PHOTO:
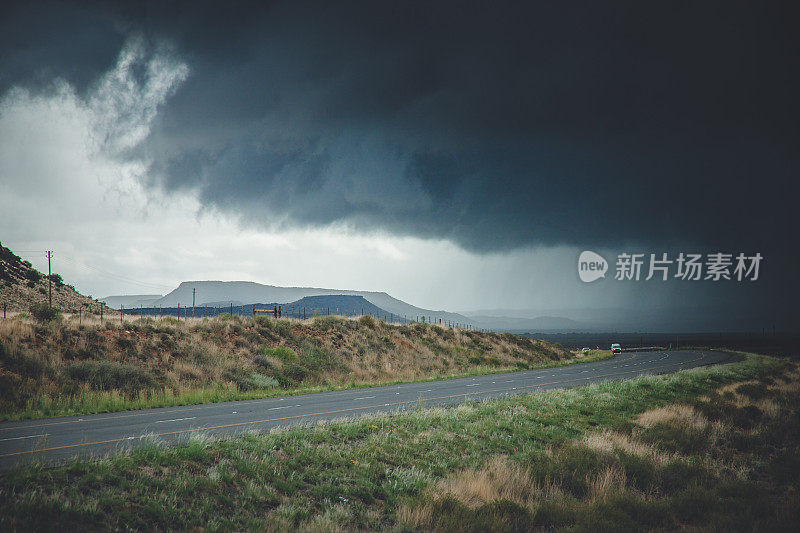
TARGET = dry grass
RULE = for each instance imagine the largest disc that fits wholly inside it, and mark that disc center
(785, 384)
(499, 479)
(416, 515)
(788, 382)
(610, 441)
(611, 480)
(16, 331)
(681, 415)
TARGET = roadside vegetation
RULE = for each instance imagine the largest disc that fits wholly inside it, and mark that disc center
(51, 365)
(711, 448)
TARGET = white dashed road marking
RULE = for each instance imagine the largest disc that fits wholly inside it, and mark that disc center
(26, 437)
(175, 420)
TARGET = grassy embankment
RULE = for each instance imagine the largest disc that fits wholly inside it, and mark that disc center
(712, 448)
(59, 367)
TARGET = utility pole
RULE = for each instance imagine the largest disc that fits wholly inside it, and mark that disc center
(49, 279)
(193, 292)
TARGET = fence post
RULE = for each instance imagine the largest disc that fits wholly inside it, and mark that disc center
(121, 312)
(4, 309)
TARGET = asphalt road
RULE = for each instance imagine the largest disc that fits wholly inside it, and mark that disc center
(55, 440)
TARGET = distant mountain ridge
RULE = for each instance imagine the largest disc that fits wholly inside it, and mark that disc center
(344, 304)
(243, 293)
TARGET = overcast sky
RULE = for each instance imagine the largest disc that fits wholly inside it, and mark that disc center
(457, 156)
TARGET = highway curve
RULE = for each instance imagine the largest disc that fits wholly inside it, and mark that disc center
(56, 440)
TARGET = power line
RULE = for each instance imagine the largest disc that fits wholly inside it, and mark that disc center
(116, 277)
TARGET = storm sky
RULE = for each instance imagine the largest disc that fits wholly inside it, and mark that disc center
(456, 155)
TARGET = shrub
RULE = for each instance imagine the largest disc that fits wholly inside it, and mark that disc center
(109, 375)
(57, 279)
(316, 358)
(263, 382)
(20, 362)
(240, 377)
(10, 387)
(76, 353)
(295, 372)
(246, 381)
(326, 323)
(284, 329)
(125, 343)
(262, 361)
(33, 275)
(367, 321)
(475, 360)
(44, 313)
(284, 353)
(264, 321)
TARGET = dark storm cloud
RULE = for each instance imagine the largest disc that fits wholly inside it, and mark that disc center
(495, 126)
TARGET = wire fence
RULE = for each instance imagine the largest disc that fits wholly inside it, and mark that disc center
(295, 312)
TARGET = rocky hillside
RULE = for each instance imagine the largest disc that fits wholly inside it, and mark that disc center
(22, 286)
